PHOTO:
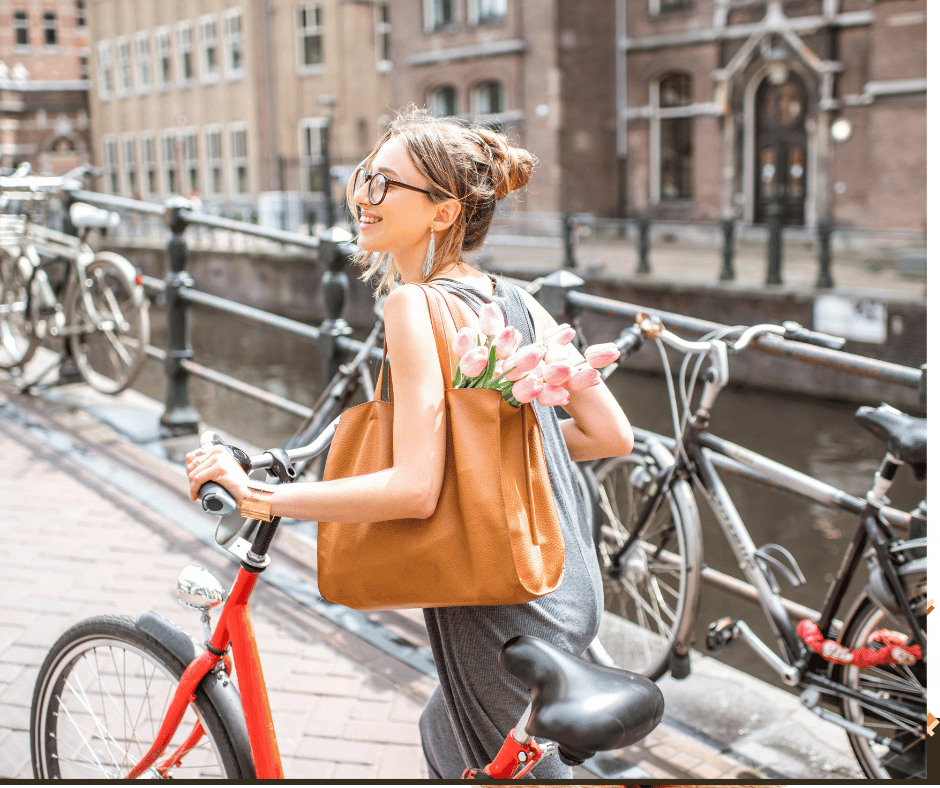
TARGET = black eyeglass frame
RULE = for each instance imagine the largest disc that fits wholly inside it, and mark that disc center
(387, 181)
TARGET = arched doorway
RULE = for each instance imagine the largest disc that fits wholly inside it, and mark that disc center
(780, 149)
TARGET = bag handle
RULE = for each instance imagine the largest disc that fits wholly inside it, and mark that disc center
(437, 324)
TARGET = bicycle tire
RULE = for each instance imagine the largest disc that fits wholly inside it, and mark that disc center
(18, 343)
(906, 686)
(46, 312)
(110, 356)
(101, 693)
(651, 603)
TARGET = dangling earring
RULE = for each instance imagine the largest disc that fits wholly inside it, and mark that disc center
(428, 258)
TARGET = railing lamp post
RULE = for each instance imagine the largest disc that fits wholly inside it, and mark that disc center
(335, 249)
(180, 417)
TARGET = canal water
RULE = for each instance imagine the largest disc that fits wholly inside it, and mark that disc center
(817, 437)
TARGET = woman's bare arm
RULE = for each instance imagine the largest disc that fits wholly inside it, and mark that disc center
(410, 488)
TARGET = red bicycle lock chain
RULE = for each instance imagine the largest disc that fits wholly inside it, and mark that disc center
(894, 652)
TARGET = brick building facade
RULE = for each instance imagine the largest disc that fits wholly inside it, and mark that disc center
(44, 84)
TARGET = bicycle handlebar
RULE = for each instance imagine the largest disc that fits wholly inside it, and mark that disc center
(219, 501)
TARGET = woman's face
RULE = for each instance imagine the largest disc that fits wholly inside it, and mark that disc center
(401, 223)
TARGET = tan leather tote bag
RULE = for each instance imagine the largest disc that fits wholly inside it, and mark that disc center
(494, 538)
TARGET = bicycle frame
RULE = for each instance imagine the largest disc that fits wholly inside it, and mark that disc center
(234, 629)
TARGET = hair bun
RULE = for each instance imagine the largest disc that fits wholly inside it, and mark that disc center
(512, 167)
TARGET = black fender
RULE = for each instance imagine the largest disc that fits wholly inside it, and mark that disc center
(223, 697)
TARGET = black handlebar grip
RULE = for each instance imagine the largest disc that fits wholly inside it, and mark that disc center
(796, 332)
(216, 499)
(630, 341)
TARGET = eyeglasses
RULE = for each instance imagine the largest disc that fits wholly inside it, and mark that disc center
(378, 185)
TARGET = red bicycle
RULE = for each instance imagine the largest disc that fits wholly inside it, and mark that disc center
(123, 698)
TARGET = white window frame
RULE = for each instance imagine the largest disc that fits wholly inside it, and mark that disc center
(431, 97)
(657, 114)
(105, 71)
(232, 38)
(130, 171)
(236, 161)
(142, 54)
(473, 11)
(55, 29)
(430, 19)
(21, 24)
(184, 48)
(487, 117)
(213, 163)
(81, 15)
(149, 166)
(383, 32)
(312, 10)
(163, 50)
(189, 160)
(309, 158)
(208, 72)
(109, 156)
(123, 71)
(170, 161)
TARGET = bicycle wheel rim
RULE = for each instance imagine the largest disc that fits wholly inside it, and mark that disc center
(903, 685)
(111, 350)
(102, 707)
(17, 342)
(645, 604)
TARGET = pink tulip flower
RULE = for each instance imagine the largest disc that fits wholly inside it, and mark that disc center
(601, 355)
(524, 360)
(557, 374)
(584, 378)
(527, 389)
(474, 361)
(560, 335)
(507, 342)
(557, 353)
(491, 320)
(553, 395)
(465, 340)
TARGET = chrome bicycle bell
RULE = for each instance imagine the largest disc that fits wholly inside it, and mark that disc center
(199, 589)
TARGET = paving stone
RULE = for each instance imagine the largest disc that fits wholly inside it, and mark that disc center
(14, 754)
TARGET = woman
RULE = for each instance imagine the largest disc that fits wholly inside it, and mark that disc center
(425, 194)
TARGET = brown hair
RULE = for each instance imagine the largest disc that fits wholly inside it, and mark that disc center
(460, 160)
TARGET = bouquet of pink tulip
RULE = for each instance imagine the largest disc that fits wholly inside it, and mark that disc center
(545, 371)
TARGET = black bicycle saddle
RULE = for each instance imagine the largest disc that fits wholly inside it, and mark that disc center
(583, 707)
(904, 436)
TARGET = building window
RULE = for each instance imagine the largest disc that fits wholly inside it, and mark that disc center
(50, 30)
(482, 11)
(80, 19)
(442, 100)
(142, 55)
(489, 98)
(311, 154)
(111, 165)
(239, 159)
(310, 35)
(675, 138)
(170, 163)
(190, 155)
(208, 38)
(184, 46)
(130, 166)
(123, 48)
(234, 62)
(148, 148)
(439, 13)
(383, 37)
(664, 6)
(83, 72)
(105, 72)
(21, 28)
(213, 151)
(164, 61)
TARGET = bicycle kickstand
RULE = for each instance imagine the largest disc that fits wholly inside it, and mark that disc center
(67, 374)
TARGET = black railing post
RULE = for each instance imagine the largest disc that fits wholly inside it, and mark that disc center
(180, 417)
(569, 228)
(825, 254)
(643, 244)
(774, 241)
(334, 254)
(727, 250)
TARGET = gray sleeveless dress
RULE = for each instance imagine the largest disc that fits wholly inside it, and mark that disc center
(468, 716)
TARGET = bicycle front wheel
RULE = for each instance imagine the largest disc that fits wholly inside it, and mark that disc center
(650, 600)
(109, 325)
(904, 686)
(100, 699)
(17, 341)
